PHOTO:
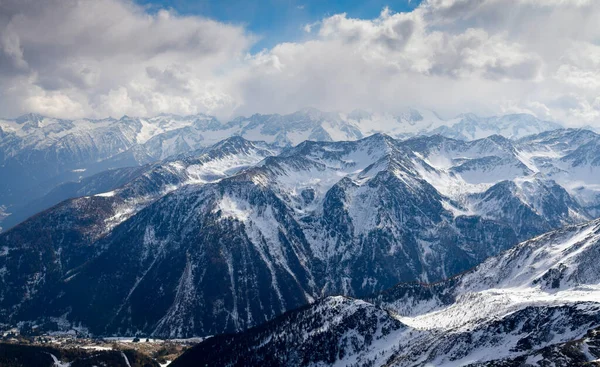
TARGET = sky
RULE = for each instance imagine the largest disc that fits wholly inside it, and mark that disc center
(276, 21)
(99, 58)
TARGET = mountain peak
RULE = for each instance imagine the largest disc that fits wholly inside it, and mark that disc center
(234, 141)
(29, 117)
(379, 137)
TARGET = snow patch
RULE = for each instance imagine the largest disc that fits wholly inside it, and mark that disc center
(233, 208)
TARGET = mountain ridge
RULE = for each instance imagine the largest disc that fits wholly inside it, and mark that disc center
(491, 324)
(320, 218)
(38, 153)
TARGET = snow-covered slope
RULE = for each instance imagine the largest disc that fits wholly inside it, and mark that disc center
(48, 249)
(463, 127)
(316, 335)
(512, 307)
(556, 164)
(38, 153)
(237, 234)
(514, 126)
(541, 292)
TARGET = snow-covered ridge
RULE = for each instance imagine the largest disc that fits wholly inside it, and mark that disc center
(557, 269)
(292, 129)
(277, 229)
(212, 164)
(541, 293)
(37, 153)
(534, 165)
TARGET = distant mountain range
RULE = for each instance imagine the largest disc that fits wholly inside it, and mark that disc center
(38, 153)
(233, 235)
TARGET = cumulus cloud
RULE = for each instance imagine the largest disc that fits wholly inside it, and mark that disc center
(109, 57)
(447, 55)
(73, 58)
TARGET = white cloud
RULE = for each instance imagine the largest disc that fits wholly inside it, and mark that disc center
(76, 58)
(448, 55)
(110, 57)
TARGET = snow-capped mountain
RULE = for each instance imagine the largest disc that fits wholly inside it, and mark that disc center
(518, 308)
(524, 177)
(514, 126)
(463, 127)
(237, 234)
(38, 153)
(57, 242)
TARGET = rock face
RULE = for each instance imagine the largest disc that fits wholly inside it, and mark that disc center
(57, 244)
(38, 153)
(536, 304)
(240, 232)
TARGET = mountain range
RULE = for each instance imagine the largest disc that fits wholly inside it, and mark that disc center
(38, 154)
(235, 234)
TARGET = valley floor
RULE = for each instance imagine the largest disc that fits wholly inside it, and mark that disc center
(66, 350)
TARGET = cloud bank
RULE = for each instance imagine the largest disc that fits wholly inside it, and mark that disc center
(78, 58)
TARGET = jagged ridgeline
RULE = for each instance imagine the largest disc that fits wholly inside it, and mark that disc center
(237, 233)
(38, 154)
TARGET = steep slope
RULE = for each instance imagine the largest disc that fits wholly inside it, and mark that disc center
(319, 334)
(192, 267)
(532, 205)
(578, 352)
(364, 200)
(521, 305)
(569, 157)
(223, 240)
(101, 182)
(526, 178)
(38, 153)
(42, 253)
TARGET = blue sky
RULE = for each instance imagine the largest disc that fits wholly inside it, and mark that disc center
(275, 21)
